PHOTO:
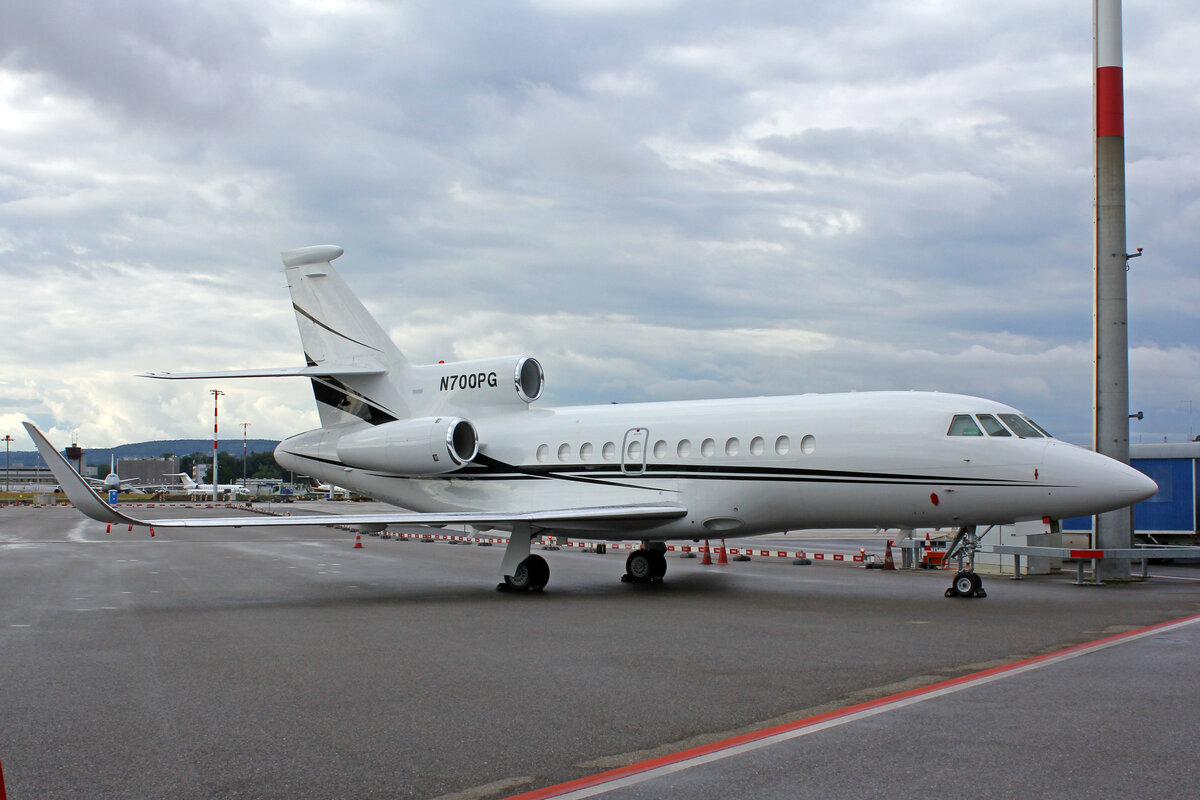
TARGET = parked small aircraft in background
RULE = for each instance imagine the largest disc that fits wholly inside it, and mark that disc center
(466, 443)
(114, 481)
(189, 486)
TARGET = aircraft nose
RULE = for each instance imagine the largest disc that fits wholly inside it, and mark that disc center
(1099, 483)
(1123, 484)
(1137, 484)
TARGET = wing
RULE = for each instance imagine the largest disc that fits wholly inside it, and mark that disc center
(630, 517)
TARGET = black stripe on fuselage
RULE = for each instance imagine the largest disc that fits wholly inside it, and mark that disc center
(334, 393)
(489, 469)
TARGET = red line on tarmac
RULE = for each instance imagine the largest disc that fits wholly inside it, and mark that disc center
(602, 782)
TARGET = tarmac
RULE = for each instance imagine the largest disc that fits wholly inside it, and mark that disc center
(231, 663)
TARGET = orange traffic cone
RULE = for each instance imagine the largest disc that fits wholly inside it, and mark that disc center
(358, 541)
(723, 559)
(888, 562)
(707, 560)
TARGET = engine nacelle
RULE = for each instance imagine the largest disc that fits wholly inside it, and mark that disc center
(425, 446)
(492, 382)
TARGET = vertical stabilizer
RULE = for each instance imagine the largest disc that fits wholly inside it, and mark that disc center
(339, 334)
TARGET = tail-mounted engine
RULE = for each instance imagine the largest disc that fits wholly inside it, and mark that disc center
(504, 381)
(425, 446)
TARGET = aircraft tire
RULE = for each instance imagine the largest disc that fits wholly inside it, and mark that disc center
(640, 566)
(965, 583)
(539, 571)
(976, 585)
(531, 575)
(658, 564)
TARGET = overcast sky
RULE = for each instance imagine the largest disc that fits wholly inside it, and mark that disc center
(658, 199)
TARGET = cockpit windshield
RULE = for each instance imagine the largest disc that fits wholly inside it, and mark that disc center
(1024, 427)
(992, 425)
(1020, 427)
(963, 425)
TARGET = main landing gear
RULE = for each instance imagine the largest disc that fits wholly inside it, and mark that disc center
(531, 575)
(967, 582)
(523, 571)
(645, 565)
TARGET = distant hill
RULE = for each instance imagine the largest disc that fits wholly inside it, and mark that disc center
(160, 447)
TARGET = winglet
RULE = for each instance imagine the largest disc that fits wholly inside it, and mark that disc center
(76, 488)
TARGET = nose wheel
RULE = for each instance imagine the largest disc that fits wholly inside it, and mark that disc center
(966, 584)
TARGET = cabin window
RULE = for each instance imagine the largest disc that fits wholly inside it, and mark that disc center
(543, 452)
(564, 452)
(610, 451)
(731, 446)
(757, 445)
(634, 451)
(585, 451)
(708, 448)
(992, 425)
(660, 449)
(782, 445)
(1020, 427)
(808, 445)
(684, 449)
(963, 425)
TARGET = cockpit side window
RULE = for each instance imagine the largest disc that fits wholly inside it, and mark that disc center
(963, 425)
(992, 425)
(1020, 427)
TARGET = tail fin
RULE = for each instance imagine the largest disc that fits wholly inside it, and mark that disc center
(185, 480)
(340, 339)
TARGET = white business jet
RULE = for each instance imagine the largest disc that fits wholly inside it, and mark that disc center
(201, 489)
(466, 443)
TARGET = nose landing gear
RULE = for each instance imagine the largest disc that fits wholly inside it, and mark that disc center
(967, 582)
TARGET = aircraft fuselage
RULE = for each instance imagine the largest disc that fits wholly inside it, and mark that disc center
(749, 466)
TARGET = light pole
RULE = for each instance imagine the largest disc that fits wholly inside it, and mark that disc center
(7, 472)
(216, 393)
(245, 425)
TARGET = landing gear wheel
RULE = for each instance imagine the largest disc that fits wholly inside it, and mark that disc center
(658, 563)
(966, 584)
(640, 566)
(531, 575)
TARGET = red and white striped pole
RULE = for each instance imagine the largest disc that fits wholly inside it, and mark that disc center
(1111, 311)
(216, 393)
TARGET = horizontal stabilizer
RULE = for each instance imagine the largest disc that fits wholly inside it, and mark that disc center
(270, 372)
(590, 518)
